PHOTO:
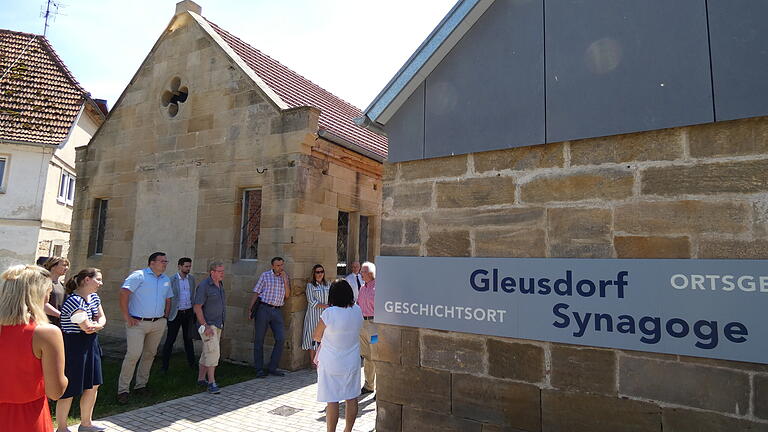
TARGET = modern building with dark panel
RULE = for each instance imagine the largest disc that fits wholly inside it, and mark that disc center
(616, 129)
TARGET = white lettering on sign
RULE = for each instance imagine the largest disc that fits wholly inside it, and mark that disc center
(713, 282)
(446, 311)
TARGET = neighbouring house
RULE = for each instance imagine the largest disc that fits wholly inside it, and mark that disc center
(604, 132)
(44, 115)
(216, 151)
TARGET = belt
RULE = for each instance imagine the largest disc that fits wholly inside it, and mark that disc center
(367, 318)
(146, 319)
(272, 306)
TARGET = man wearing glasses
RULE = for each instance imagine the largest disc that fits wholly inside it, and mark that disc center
(270, 291)
(145, 301)
(210, 310)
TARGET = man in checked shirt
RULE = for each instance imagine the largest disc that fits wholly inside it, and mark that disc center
(272, 288)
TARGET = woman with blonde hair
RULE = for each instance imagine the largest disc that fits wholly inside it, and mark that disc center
(81, 318)
(33, 352)
(317, 301)
(58, 267)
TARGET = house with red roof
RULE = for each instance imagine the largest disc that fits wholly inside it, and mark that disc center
(44, 115)
(216, 151)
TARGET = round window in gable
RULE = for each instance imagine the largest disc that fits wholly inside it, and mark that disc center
(174, 96)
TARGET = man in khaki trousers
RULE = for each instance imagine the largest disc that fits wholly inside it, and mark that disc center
(145, 301)
(365, 300)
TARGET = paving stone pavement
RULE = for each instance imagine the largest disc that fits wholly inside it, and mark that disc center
(272, 404)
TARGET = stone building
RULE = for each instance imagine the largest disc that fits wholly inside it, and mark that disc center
(216, 151)
(44, 115)
(623, 130)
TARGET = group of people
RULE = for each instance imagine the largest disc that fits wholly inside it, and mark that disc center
(45, 361)
(59, 324)
(337, 330)
(151, 302)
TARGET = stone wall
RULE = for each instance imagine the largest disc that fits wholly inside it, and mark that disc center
(692, 192)
(175, 184)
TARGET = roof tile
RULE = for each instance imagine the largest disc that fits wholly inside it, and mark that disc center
(39, 97)
(336, 115)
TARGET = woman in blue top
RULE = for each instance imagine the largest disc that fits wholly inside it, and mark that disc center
(81, 318)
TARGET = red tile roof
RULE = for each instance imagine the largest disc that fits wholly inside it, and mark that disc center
(336, 115)
(39, 97)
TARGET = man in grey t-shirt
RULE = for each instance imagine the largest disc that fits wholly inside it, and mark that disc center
(210, 310)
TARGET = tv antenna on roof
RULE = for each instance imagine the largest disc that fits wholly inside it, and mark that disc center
(51, 11)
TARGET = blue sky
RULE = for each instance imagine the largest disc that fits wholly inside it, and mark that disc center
(350, 48)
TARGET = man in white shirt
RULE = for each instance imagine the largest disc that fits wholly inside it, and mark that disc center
(354, 279)
(181, 314)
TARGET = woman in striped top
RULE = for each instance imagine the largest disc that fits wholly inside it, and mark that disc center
(81, 318)
(317, 301)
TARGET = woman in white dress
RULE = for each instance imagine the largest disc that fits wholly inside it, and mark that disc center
(338, 372)
(317, 301)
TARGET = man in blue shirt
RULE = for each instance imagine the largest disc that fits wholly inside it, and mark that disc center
(181, 316)
(145, 301)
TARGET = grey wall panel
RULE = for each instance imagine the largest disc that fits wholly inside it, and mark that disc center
(738, 31)
(488, 92)
(405, 130)
(618, 66)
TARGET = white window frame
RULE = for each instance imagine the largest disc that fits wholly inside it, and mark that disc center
(66, 194)
(5, 174)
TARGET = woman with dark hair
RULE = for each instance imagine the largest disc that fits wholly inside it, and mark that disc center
(81, 318)
(58, 267)
(317, 301)
(32, 357)
(338, 372)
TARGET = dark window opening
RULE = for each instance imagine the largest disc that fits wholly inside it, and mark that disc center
(363, 239)
(342, 240)
(251, 224)
(172, 98)
(99, 226)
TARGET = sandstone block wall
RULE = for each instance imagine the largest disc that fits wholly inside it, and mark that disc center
(692, 192)
(175, 184)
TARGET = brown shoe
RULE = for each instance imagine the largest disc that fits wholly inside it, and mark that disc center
(123, 398)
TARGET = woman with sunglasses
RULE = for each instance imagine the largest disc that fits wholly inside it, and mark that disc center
(317, 301)
(58, 267)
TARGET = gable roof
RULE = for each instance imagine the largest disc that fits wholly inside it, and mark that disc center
(435, 47)
(336, 115)
(39, 98)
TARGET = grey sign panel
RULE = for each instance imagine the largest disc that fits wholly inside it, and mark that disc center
(620, 66)
(405, 130)
(738, 31)
(705, 308)
(488, 92)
